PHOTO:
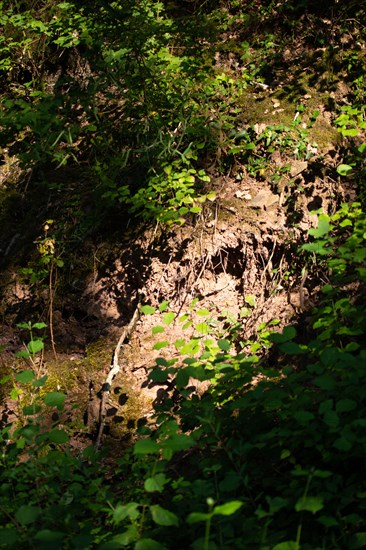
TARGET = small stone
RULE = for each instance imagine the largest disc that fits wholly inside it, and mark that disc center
(264, 199)
(297, 167)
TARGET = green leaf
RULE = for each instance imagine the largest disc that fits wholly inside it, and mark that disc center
(250, 300)
(309, 504)
(31, 409)
(287, 334)
(224, 345)
(149, 544)
(157, 330)
(123, 511)
(147, 310)
(228, 508)
(146, 447)
(197, 517)
(168, 318)
(58, 436)
(303, 417)
(344, 169)
(160, 345)
(325, 382)
(203, 312)
(358, 541)
(25, 377)
(163, 306)
(161, 516)
(288, 545)
(46, 535)
(345, 405)
(323, 227)
(26, 515)
(39, 326)
(156, 483)
(35, 346)
(202, 328)
(40, 381)
(55, 399)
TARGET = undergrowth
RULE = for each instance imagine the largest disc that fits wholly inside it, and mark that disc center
(253, 444)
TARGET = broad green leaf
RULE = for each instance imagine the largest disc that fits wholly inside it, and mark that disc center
(31, 409)
(168, 318)
(191, 348)
(323, 227)
(40, 381)
(160, 345)
(163, 306)
(182, 378)
(39, 326)
(147, 310)
(148, 544)
(304, 417)
(46, 535)
(345, 405)
(250, 300)
(224, 345)
(35, 346)
(25, 377)
(287, 334)
(58, 436)
(309, 504)
(123, 511)
(288, 545)
(145, 447)
(344, 169)
(331, 419)
(325, 382)
(55, 399)
(197, 517)
(161, 516)
(26, 515)
(203, 312)
(343, 444)
(202, 328)
(157, 330)
(228, 508)
(156, 483)
(358, 541)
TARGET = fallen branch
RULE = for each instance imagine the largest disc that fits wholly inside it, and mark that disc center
(114, 370)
